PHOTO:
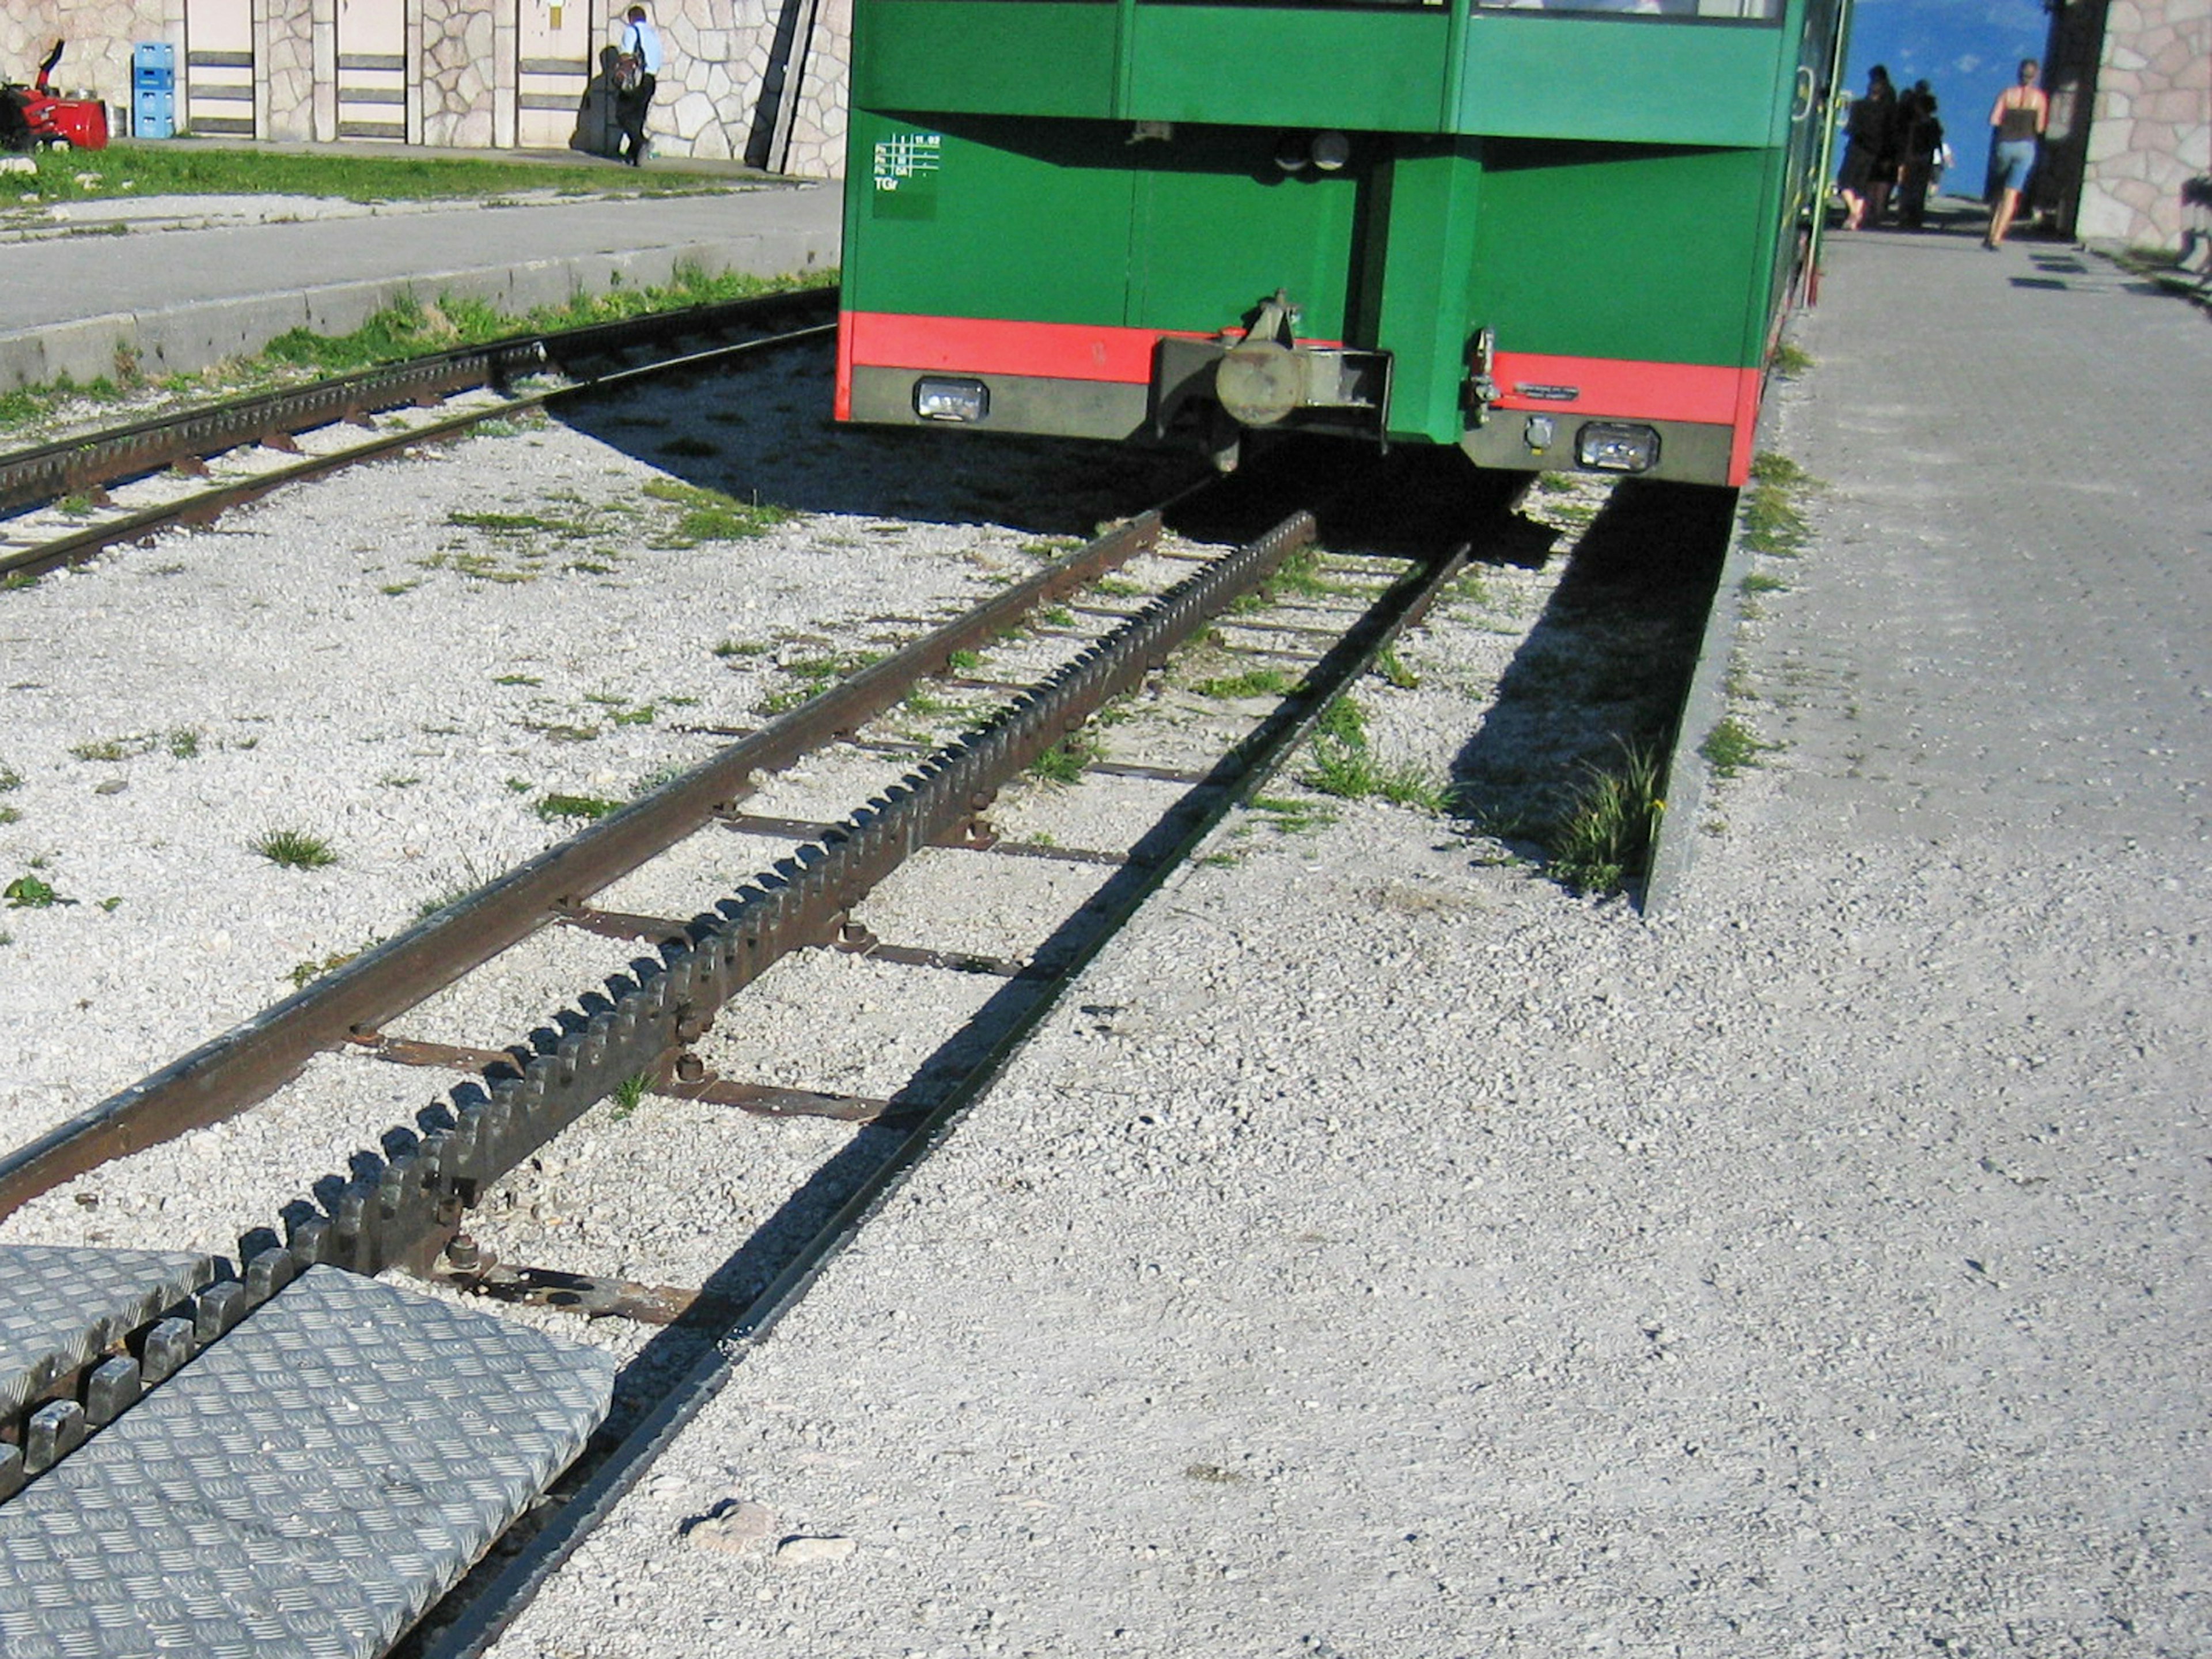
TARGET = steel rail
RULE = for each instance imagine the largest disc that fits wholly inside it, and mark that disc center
(489, 1610)
(272, 418)
(246, 1065)
(75, 465)
(406, 1213)
(210, 505)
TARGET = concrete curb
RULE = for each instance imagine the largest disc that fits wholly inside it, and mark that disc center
(187, 338)
(1689, 779)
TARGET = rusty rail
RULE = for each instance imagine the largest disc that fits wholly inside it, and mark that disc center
(89, 464)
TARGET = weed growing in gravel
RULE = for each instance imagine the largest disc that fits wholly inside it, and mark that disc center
(587, 807)
(16, 582)
(1773, 524)
(627, 1096)
(710, 515)
(517, 679)
(743, 648)
(184, 743)
(1064, 762)
(1394, 672)
(1351, 773)
(32, 892)
(294, 849)
(1286, 817)
(520, 524)
(1301, 576)
(1602, 841)
(1117, 588)
(305, 973)
(1731, 746)
(1790, 361)
(1341, 763)
(562, 733)
(1760, 583)
(1056, 615)
(927, 704)
(1251, 683)
(10, 779)
(112, 748)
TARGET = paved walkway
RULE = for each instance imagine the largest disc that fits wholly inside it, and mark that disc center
(185, 283)
(2019, 594)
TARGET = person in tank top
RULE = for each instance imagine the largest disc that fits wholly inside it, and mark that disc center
(2017, 120)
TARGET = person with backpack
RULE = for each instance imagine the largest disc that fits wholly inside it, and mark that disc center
(636, 77)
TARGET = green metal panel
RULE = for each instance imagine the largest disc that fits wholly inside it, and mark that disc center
(1381, 70)
(1217, 230)
(1065, 221)
(1662, 80)
(1023, 219)
(1426, 209)
(1001, 57)
(1594, 251)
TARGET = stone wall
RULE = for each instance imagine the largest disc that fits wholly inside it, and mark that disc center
(2150, 129)
(721, 55)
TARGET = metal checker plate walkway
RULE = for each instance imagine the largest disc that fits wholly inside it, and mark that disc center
(60, 1306)
(308, 1485)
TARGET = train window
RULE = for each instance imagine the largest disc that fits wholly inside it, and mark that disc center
(1755, 10)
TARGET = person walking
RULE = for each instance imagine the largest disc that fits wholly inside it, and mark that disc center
(1870, 148)
(1922, 143)
(2017, 120)
(641, 42)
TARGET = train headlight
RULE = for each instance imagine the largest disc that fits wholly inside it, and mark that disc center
(1616, 447)
(952, 400)
(1331, 150)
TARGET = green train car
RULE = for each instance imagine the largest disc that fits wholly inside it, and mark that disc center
(1557, 235)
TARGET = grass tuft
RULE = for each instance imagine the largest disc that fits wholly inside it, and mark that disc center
(1604, 839)
(294, 849)
(1731, 746)
(1064, 762)
(587, 807)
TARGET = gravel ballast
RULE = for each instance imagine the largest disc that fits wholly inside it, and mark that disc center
(1380, 1250)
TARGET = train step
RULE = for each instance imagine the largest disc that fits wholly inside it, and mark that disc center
(310, 1482)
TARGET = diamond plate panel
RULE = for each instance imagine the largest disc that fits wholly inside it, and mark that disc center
(60, 1305)
(308, 1485)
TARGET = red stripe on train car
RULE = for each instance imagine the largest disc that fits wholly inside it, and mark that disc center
(1619, 386)
(1748, 397)
(982, 345)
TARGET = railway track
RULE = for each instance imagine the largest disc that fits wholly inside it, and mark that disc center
(65, 502)
(434, 1197)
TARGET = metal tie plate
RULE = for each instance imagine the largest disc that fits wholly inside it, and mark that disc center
(308, 1485)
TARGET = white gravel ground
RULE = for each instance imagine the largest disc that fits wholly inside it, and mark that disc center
(1379, 1253)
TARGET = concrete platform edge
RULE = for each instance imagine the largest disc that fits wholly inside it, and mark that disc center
(192, 337)
(1688, 781)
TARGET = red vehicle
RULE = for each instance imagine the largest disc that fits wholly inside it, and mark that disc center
(32, 115)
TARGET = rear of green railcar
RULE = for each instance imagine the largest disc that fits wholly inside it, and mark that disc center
(1556, 237)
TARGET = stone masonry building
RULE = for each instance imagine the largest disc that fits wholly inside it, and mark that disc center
(2130, 117)
(755, 81)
